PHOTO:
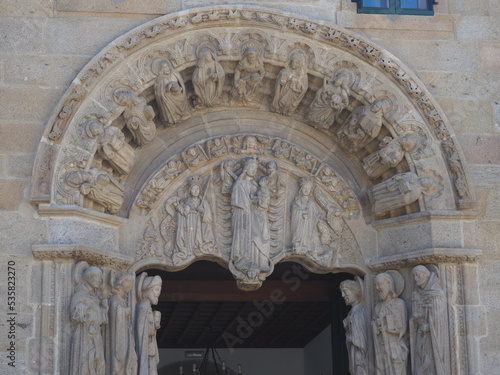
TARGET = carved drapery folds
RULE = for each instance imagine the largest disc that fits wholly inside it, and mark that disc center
(127, 345)
(253, 206)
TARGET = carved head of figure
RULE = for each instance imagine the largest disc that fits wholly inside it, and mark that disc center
(124, 97)
(251, 55)
(250, 143)
(384, 285)
(151, 289)
(251, 167)
(430, 186)
(410, 142)
(341, 80)
(94, 129)
(165, 67)
(194, 186)
(351, 292)
(206, 56)
(306, 186)
(92, 276)
(297, 61)
(382, 106)
(123, 284)
(421, 275)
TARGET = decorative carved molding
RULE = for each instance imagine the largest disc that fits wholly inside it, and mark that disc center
(269, 47)
(46, 210)
(81, 253)
(425, 256)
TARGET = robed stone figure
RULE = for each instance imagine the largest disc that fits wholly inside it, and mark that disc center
(428, 325)
(389, 328)
(208, 79)
(87, 313)
(148, 289)
(355, 326)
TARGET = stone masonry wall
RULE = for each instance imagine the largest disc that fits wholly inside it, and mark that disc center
(45, 43)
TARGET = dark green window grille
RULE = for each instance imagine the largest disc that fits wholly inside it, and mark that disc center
(419, 7)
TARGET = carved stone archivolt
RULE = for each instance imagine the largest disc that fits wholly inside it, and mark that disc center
(164, 73)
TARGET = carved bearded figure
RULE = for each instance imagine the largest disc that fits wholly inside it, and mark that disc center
(305, 218)
(208, 79)
(329, 101)
(355, 326)
(363, 125)
(428, 325)
(391, 154)
(138, 116)
(170, 94)
(251, 242)
(389, 327)
(87, 313)
(194, 223)
(291, 85)
(148, 290)
(122, 358)
(248, 76)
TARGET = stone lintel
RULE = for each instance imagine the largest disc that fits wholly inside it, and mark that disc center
(425, 256)
(78, 253)
(47, 210)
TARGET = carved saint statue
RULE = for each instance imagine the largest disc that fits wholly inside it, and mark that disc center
(355, 326)
(248, 76)
(329, 101)
(391, 154)
(291, 85)
(148, 289)
(305, 218)
(208, 79)
(389, 328)
(122, 358)
(98, 186)
(401, 190)
(363, 125)
(138, 116)
(251, 241)
(170, 94)
(111, 146)
(428, 325)
(87, 313)
(194, 222)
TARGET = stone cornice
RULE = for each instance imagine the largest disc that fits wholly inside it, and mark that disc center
(424, 256)
(47, 210)
(81, 253)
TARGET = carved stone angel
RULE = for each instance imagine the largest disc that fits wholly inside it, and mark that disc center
(428, 325)
(138, 116)
(291, 85)
(355, 326)
(98, 186)
(170, 94)
(122, 358)
(391, 154)
(401, 190)
(208, 79)
(248, 76)
(87, 313)
(329, 101)
(148, 289)
(111, 146)
(363, 125)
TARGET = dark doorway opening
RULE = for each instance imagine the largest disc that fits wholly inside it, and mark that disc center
(202, 307)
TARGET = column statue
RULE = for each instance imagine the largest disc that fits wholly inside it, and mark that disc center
(291, 85)
(208, 79)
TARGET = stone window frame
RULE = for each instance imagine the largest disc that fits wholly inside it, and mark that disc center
(395, 8)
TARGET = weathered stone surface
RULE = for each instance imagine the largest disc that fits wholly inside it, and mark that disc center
(11, 193)
(481, 149)
(43, 70)
(469, 116)
(488, 53)
(18, 109)
(19, 137)
(27, 8)
(20, 35)
(124, 6)
(20, 165)
(483, 28)
(33, 231)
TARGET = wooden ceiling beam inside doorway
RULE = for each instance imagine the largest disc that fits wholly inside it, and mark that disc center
(217, 290)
